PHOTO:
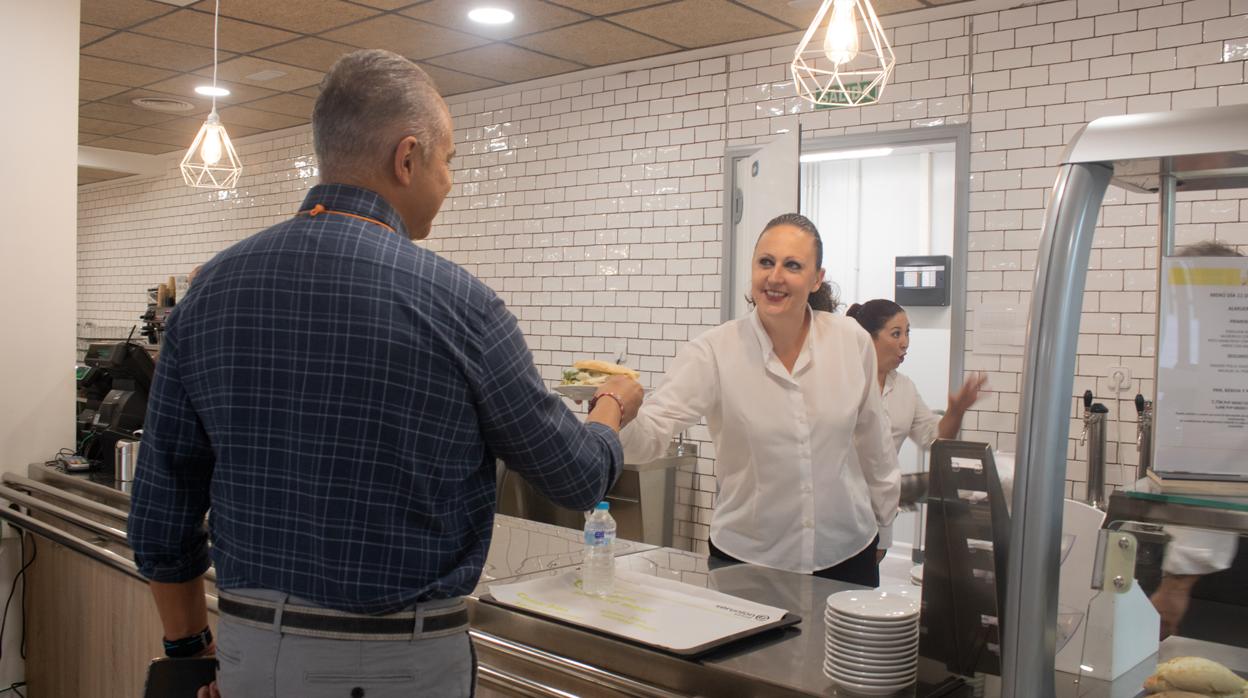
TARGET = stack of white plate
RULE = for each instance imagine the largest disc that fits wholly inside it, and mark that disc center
(872, 644)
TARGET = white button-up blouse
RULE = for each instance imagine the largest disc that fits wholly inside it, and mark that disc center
(907, 413)
(792, 493)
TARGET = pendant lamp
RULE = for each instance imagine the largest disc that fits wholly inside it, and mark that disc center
(841, 69)
(211, 162)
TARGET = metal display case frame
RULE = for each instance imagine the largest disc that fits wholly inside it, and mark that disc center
(1162, 153)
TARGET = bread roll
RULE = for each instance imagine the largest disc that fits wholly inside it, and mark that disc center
(1194, 675)
(606, 367)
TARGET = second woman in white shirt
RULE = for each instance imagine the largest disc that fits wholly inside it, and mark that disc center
(908, 415)
(789, 396)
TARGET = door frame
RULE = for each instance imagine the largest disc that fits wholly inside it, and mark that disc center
(959, 135)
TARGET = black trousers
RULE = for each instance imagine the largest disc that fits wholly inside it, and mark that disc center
(860, 569)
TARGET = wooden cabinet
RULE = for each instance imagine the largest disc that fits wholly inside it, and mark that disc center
(90, 630)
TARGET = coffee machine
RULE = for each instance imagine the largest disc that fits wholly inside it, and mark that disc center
(115, 385)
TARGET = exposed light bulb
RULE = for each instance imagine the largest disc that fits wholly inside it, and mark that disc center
(210, 149)
(840, 44)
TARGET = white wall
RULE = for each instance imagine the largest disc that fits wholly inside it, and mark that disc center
(593, 202)
(38, 178)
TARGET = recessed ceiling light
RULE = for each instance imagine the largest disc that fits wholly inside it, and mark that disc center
(210, 91)
(490, 15)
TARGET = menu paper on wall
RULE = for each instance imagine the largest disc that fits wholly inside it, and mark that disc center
(1201, 413)
(647, 609)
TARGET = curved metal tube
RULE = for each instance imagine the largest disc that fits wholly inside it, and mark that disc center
(489, 675)
(34, 486)
(571, 667)
(12, 494)
(78, 545)
(1030, 626)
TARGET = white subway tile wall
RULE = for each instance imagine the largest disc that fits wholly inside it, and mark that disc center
(594, 207)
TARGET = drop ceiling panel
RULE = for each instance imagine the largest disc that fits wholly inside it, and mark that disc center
(890, 7)
(606, 7)
(238, 70)
(267, 121)
(300, 16)
(309, 52)
(453, 82)
(406, 37)
(184, 85)
(187, 127)
(504, 63)
(696, 23)
(90, 90)
(595, 43)
(100, 127)
(160, 136)
(120, 13)
(286, 103)
(532, 16)
(124, 115)
(387, 4)
(796, 14)
(195, 28)
(118, 73)
(89, 32)
(150, 51)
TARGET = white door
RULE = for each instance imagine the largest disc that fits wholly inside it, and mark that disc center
(766, 186)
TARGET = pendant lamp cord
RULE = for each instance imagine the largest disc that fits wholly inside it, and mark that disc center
(216, 17)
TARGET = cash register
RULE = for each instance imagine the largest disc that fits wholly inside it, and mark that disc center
(115, 383)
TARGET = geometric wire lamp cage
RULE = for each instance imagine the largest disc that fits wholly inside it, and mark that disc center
(211, 161)
(842, 71)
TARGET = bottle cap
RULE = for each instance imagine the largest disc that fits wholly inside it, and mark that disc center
(603, 506)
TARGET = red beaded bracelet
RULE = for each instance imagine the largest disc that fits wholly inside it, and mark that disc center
(593, 402)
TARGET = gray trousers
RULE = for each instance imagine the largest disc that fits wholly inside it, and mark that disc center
(263, 663)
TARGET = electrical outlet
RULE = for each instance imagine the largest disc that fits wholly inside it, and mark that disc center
(1119, 378)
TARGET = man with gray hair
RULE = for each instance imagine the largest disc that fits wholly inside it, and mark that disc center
(338, 397)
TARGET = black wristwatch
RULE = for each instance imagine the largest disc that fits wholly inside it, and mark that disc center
(189, 646)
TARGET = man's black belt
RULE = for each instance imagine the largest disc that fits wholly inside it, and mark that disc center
(312, 621)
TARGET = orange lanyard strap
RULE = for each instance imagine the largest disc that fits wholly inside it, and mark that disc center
(320, 208)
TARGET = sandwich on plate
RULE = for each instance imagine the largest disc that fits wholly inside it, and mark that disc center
(593, 372)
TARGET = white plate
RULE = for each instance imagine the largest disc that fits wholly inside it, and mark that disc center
(854, 664)
(844, 631)
(870, 624)
(876, 662)
(577, 392)
(903, 680)
(906, 673)
(885, 603)
(886, 648)
(894, 682)
(866, 689)
(869, 657)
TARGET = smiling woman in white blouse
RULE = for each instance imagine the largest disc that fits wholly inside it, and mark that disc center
(908, 415)
(789, 396)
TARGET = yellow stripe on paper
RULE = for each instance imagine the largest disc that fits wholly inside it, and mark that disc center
(1205, 276)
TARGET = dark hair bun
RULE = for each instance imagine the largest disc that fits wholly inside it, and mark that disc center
(853, 310)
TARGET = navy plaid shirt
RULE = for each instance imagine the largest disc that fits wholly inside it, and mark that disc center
(338, 396)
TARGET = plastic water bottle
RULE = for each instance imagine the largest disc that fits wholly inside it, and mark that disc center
(598, 568)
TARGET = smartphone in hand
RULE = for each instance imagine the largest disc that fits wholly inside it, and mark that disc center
(179, 678)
